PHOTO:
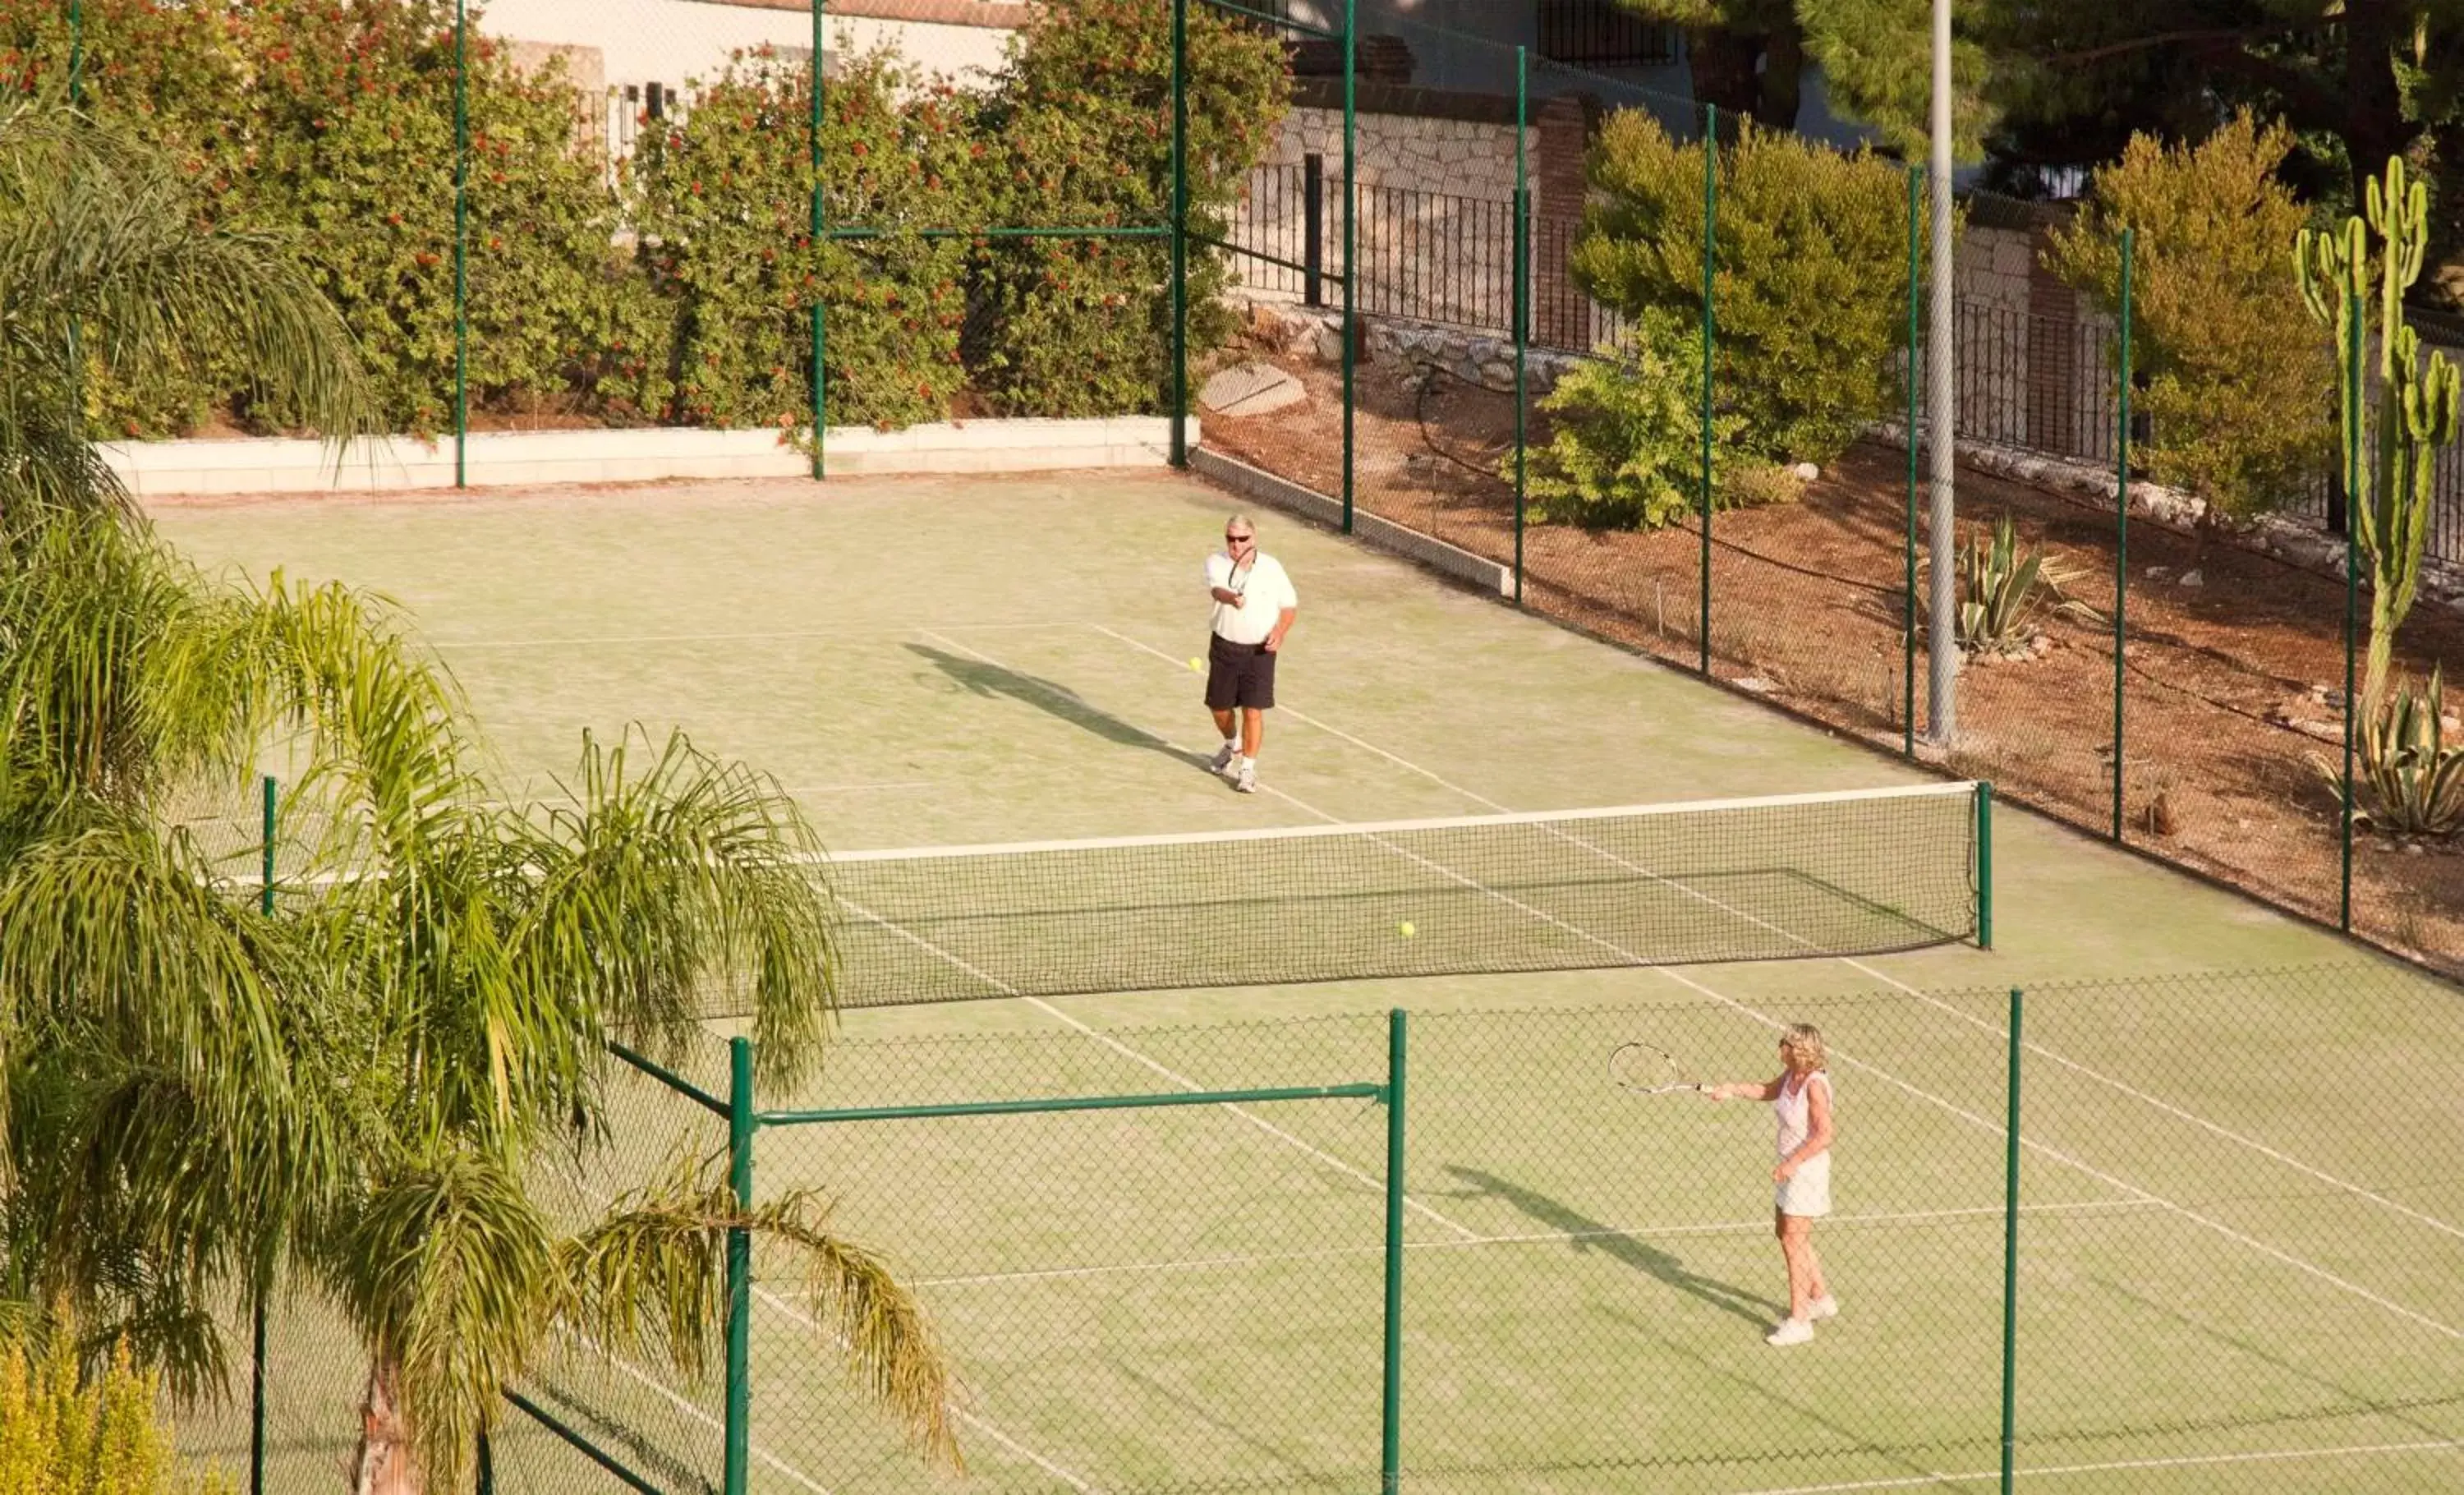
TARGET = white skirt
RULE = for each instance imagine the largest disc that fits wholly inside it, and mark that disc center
(1807, 1191)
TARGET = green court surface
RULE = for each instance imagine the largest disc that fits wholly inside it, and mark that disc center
(2239, 1241)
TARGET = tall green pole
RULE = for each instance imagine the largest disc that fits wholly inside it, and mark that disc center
(740, 1126)
(820, 315)
(2122, 525)
(257, 1351)
(461, 244)
(2011, 1260)
(1351, 241)
(77, 53)
(1984, 866)
(1391, 1423)
(1179, 412)
(1522, 304)
(1916, 380)
(2354, 433)
(487, 1466)
(1710, 336)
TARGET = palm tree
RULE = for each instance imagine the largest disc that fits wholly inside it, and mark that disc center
(364, 1095)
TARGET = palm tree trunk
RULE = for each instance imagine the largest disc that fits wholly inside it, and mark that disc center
(382, 1464)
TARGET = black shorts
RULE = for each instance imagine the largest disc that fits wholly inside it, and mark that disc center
(1239, 674)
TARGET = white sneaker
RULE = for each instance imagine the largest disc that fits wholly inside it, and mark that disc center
(1791, 1332)
(1247, 781)
(1224, 757)
(1822, 1308)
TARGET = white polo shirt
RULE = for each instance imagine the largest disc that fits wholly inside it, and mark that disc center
(1266, 591)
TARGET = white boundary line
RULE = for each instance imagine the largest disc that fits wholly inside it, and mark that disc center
(1993, 1127)
(2030, 1046)
(1542, 819)
(682, 1404)
(893, 631)
(2186, 1460)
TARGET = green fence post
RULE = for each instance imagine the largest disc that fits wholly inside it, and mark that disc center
(1522, 302)
(1179, 411)
(2010, 1259)
(740, 1126)
(487, 1466)
(1916, 366)
(2122, 528)
(2353, 432)
(1351, 242)
(77, 53)
(1984, 865)
(270, 796)
(819, 221)
(461, 244)
(1390, 1461)
(1710, 335)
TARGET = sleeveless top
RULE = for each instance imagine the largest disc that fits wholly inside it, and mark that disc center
(1793, 1108)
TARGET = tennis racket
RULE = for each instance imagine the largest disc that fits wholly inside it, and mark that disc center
(1647, 1069)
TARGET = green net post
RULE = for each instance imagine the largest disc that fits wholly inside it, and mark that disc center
(1915, 381)
(2010, 1258)
(819, 315)
(1522, 303)
(1180, 404)
(461, 244)
(2122, 528)
(269, 795)
(1984, 866)
(2353, 431)
(1390, 1458)
(741, 1128)
(1710, 334)
(1351, 246)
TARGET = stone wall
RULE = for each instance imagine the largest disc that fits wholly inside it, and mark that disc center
(1450, 157)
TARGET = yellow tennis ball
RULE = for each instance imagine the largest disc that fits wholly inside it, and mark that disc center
(1406, 929)
(1197, 664)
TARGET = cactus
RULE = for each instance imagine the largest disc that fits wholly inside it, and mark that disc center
(2415, 407)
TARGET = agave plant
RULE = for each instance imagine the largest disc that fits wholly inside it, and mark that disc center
(2408, 777)
(2005, 592)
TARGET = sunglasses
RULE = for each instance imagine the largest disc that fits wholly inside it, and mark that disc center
(1238, 539)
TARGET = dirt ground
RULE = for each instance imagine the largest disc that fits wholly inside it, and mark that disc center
(2233, 672)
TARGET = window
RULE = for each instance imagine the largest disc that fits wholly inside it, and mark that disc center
(1603, 33)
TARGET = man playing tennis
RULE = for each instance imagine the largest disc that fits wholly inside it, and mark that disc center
(1254, 608)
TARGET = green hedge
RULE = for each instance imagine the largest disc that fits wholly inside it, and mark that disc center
(682, 293)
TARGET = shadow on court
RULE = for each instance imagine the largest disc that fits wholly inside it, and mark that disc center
(981, 677)
(1585, 1234)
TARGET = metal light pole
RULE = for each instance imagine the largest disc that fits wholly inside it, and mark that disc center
(1941, 416)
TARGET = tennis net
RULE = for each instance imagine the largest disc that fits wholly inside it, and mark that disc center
(1790, 876)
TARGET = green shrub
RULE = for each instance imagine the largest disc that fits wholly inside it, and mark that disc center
(723, 205)
(1079, 131)
(2237, 397)
(1626, 451)
(2006, 592)
(2409, 779)
(330, 122)
(61, 1433)
(1810, 273)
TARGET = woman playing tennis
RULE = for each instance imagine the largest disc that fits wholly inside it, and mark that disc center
(1800, 1099)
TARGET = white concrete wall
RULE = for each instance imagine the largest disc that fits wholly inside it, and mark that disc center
(669, 41)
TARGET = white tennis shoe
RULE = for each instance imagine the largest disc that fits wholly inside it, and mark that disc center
(1791, 1332)
(1223, 756)
(1248, 780)
(1822, 1308)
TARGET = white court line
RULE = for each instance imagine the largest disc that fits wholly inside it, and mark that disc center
(2187, 1460)
(695, 1413)
(780, 1306)
(1885, 978)
(605, 638)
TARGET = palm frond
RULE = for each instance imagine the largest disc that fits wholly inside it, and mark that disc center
(450, 1273)
(650, 1278)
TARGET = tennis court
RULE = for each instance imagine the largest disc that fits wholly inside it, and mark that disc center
(2239, 1239)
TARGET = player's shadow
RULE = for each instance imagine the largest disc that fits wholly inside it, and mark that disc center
(982, 677)
(1582, 1233)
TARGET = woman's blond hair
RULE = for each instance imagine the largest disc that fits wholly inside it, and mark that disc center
(1804, 1041)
